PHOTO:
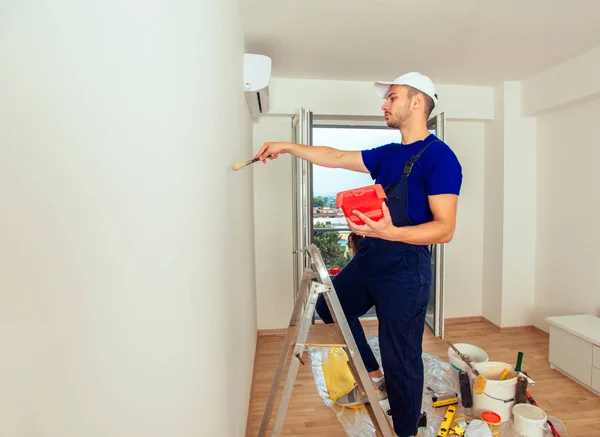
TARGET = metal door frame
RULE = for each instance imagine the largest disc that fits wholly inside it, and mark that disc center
(438, 122)
(302, 199)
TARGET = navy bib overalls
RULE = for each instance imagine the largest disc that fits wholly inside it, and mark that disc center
(396, 278)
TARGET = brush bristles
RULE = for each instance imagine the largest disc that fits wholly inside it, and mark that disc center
(239, 165)
(480, 383)
(521, 394)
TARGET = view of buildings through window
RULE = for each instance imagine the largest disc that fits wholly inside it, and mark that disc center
(330, 230)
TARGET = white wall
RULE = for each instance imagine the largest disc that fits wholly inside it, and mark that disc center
(464, 254)
(127, 303)
(568, 206)
(273, 226)
(519, 213)
(493, 212)
(566, 101)
(574, 80)
(467, 107)
(508, 274)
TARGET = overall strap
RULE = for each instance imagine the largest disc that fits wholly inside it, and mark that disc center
(411, 162)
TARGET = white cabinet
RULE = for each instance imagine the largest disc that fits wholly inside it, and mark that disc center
(596, 379)
(596, 369)
(575, 348)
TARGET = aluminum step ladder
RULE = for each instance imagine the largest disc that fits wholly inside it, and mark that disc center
(302, 334)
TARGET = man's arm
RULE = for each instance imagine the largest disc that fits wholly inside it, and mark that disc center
(319, 155)
(439, 230)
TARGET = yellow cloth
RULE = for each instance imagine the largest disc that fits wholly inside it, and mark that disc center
(338, 377)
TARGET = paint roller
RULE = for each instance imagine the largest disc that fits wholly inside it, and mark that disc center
(465, 389)
(443, 399)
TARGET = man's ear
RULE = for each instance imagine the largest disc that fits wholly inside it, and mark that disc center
(418, 101)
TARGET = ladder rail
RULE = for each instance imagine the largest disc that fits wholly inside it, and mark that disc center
(296, 360)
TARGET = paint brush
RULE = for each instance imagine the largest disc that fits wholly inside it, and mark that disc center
(240, 165)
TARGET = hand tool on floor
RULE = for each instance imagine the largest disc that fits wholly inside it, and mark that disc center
(446, 425)
(457, 430)
(443, 399)
(465, 389)
(480, 381)
(240, 165)
(302, 334)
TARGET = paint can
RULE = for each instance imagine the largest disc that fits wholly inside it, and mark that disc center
(499, 395)
(474, 353)
(529, 420)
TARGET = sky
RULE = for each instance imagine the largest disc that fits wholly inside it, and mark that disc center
(330, 181)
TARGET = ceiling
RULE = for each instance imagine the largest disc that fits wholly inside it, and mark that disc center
(467, 42)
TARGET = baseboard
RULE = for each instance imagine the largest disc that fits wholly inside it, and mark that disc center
(271, 332)
(490, 323)
(526, 328)
(251, 400)
(540, 331)
(462, 320)
(475, 319)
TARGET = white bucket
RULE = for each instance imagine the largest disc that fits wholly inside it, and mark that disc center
(499, 395)
(475, 354)
(529, 420)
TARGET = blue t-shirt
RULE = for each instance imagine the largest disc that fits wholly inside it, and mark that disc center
(437, 171)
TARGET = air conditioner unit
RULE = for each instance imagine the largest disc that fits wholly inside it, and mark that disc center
(257, 74)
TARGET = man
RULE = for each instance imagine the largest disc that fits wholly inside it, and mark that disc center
(422, 178)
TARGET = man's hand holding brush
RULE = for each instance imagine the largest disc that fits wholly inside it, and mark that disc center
(264, 154)
(272, 150)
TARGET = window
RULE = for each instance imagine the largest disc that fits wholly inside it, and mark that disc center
(330, 230)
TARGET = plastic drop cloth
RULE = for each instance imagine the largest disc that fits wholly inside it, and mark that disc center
(438, 375)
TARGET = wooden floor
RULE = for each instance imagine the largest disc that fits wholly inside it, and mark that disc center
(578, 408)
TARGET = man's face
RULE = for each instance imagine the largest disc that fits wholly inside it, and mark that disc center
(396, 108)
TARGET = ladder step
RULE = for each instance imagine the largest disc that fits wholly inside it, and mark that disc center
(321, 335)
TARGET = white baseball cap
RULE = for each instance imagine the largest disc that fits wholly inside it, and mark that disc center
(413, 79)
